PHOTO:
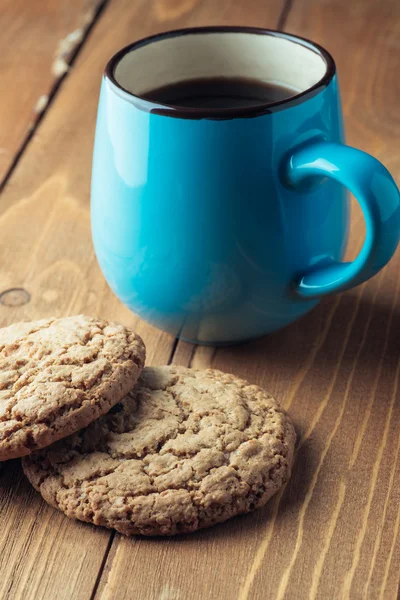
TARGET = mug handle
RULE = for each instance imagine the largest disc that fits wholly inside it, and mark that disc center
(377, 193)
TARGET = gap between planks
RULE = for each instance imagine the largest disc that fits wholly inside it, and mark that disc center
(98, 9)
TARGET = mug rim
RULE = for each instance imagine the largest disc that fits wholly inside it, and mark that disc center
(184, 112)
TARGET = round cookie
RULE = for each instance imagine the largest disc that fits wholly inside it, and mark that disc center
(59, 375)
(184, 450)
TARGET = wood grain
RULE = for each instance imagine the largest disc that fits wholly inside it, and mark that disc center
(34, 36)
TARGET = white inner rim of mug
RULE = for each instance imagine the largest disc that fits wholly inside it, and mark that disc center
(266, 58)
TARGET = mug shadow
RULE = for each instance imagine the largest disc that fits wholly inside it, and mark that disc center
(349, 322)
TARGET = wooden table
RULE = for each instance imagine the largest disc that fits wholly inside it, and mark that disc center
(333, 532)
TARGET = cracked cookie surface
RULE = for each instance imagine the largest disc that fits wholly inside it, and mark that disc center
(185, 449)
(59, 375)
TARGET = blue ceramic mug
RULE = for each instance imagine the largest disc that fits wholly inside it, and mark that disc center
(220, 225)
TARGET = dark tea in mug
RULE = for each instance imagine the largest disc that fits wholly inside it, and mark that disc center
(220, 92)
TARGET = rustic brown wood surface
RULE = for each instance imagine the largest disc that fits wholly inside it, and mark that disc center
(333, 532)
(38, 40)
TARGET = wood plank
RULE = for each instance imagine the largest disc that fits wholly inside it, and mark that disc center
(37, 41)
(333, 533)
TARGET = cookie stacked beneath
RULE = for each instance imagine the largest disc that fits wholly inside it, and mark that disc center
(152, 451)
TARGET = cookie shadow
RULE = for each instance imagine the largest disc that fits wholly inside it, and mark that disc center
(14, 486)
